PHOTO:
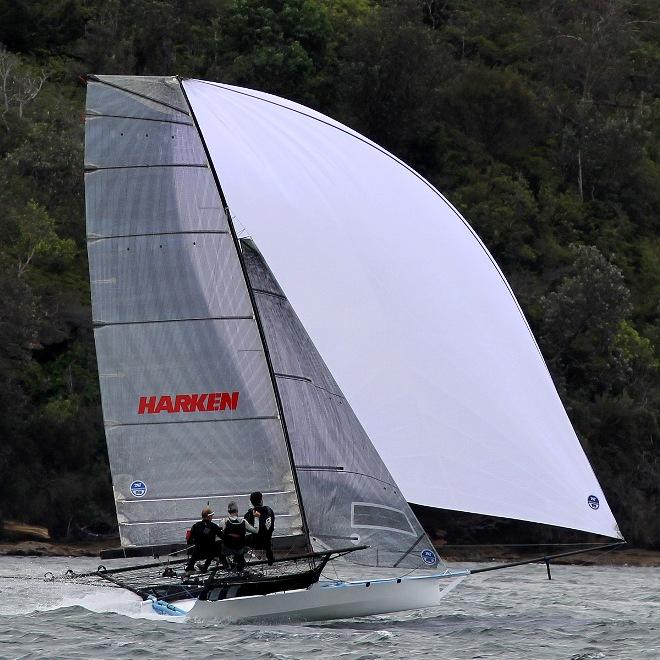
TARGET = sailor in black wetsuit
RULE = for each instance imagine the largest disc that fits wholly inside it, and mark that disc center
(234, 533)
(203, 536)
(262, 540)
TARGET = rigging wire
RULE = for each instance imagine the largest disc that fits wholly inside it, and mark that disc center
(587, 562)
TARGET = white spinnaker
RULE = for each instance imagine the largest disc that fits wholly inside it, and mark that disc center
(408, 309)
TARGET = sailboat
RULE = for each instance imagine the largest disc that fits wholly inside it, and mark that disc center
(255, 266)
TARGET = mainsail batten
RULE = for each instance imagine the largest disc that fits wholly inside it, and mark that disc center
(174, 324)
(427, 341)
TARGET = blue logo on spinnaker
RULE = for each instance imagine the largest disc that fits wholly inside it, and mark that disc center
(429, 557)
(593, 502)
(139, 488)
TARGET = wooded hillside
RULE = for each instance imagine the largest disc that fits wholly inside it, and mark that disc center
(538, 119)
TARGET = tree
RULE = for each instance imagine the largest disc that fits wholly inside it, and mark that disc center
(392, 70)
(18, 84)
(504, 213)
(287, 47)
(33, 235)
(18, 329)
(18, 315)
(587, 43)
(580, 320)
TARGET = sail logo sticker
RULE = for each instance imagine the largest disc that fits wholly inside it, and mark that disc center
(429, 557)
(593, 502)
(188, 403)
(139, 488)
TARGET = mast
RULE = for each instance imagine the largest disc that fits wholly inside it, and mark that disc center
(257, 317)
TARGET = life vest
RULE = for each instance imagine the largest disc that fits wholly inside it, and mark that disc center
(234, 536)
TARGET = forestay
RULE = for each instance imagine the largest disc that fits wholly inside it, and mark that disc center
(348, 493)
(188, 401)
(408, 309)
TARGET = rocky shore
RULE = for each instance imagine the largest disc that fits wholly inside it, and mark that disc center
(51, 549)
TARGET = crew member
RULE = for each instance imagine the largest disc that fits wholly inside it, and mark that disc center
(262, 540)
(234, 533)
(203, 535)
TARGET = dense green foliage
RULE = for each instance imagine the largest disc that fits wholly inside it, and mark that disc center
(538, 119)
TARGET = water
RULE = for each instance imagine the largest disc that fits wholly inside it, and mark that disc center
(584, 613)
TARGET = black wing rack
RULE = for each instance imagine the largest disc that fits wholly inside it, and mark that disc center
(166, 580)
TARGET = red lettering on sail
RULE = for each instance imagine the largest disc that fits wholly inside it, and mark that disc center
(182, 403)
(164, 405)
(147, 404)
(187, 403)
(228, 400)
(198, 403)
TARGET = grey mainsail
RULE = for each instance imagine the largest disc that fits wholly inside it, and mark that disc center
(188, 400)
(348, 493)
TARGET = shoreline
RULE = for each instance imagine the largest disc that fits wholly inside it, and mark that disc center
(636, 557)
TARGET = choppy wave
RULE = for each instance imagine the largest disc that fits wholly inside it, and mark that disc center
(584, 613)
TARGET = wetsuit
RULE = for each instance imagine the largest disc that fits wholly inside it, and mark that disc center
(262, 540)
(203, 536)
(234, 533)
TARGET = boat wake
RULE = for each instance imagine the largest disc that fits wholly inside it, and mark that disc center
(24, 595)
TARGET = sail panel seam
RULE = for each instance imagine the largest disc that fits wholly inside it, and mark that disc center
(201, 497)
(142, 96)
(111, 425)
(306, 379)
(93, 237)
(270, 293)
(93, 115)
(294, 377)
(311, 468)
(103, 324)
(189, 520)
(334, 468)
(94, 168)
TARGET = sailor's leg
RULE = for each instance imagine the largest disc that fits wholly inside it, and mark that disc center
(195, 555)
(224, 558)
(216, 551)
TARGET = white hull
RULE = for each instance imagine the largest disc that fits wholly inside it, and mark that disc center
(333, 600)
